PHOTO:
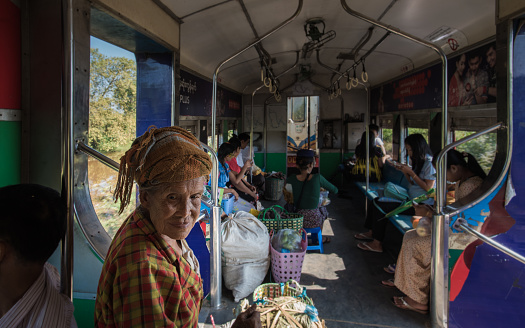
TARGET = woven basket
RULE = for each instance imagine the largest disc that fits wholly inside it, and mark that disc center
(273, 189)
(294, 220)
(288, 266)
(274, 290)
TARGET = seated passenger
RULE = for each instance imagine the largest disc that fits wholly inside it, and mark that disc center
(376, 160)
(421, 176)
(32, 223)
(306, 190)
(412, 272)
(231, 180)
(244, 170)
(150, 277)
(256, 179)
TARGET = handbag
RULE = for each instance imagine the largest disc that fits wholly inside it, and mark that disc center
(292, 208)
(394, 191)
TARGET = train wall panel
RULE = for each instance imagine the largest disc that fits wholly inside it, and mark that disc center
(10, 92)
(493, 294)
(147, 18)
(10, 153)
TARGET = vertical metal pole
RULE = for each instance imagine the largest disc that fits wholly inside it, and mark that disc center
(402, 136)
(215, 235)
(265, 133)
(66, 286)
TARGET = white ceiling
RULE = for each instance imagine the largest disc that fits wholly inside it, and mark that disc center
(211, 35)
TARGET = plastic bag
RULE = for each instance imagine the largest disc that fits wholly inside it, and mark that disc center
(241, 205)
(245, 254)
(323, 198)
(287, 241)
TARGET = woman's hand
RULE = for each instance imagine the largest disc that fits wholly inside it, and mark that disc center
(405, 169)
(235, 194)
(250, 318)
(423, 210)
(248, 164)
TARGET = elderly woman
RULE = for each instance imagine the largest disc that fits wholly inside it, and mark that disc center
(150, 277)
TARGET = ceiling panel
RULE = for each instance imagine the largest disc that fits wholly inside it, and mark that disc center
(212, 31)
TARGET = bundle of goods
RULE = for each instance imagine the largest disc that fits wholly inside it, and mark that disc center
(281, 305)
(275, 217)
(288, 248)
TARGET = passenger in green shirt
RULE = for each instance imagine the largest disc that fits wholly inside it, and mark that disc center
(307, 205)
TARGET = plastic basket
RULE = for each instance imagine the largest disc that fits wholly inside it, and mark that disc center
(274, 290)
(286, 266)
(293, 220)
(273, 189)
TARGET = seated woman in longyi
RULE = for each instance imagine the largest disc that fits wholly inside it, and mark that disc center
(306, 190)
(412, 271)
(150, 276)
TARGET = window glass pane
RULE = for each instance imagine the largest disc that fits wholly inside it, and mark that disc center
(387, 140)
(424, 132)
(299, 110)
(112, 129)
(482, 148)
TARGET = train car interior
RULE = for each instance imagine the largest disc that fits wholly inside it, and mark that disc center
(83, 78)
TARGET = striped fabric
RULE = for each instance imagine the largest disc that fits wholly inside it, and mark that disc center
(144, 283)
(42, 305)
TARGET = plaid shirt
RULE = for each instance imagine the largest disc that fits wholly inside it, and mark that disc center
(144, 283)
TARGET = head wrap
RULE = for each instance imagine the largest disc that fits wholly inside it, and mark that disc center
(169, 154)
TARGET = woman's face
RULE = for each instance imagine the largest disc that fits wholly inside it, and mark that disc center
(453, 173)
(174, 210)
(409, 150)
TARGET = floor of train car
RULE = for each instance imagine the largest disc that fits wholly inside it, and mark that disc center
(344, 282)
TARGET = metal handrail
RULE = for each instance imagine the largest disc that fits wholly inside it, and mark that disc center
(214, 93)
(440, 158)
(215, 234)
(439, 266)
(97, 155)
(461, 223)
(66, 277)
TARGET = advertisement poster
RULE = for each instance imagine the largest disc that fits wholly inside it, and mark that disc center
(196, 94)
(471, 81)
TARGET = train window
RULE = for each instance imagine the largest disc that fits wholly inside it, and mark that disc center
(482, 148)
(387, 140)
(112, 129)
(298, 109)
(423, 132)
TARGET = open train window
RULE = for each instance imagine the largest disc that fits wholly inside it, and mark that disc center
(112, 127)
(386, 136)
(482, 148)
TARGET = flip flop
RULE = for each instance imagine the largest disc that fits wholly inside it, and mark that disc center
(326, 240)
(391, 268)
(366, 247)
(388, 283)
(362, 236)
(405, 306)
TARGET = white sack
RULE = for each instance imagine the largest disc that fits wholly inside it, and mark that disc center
(245, 254)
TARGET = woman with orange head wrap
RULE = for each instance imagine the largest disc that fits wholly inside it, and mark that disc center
(150, 277)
